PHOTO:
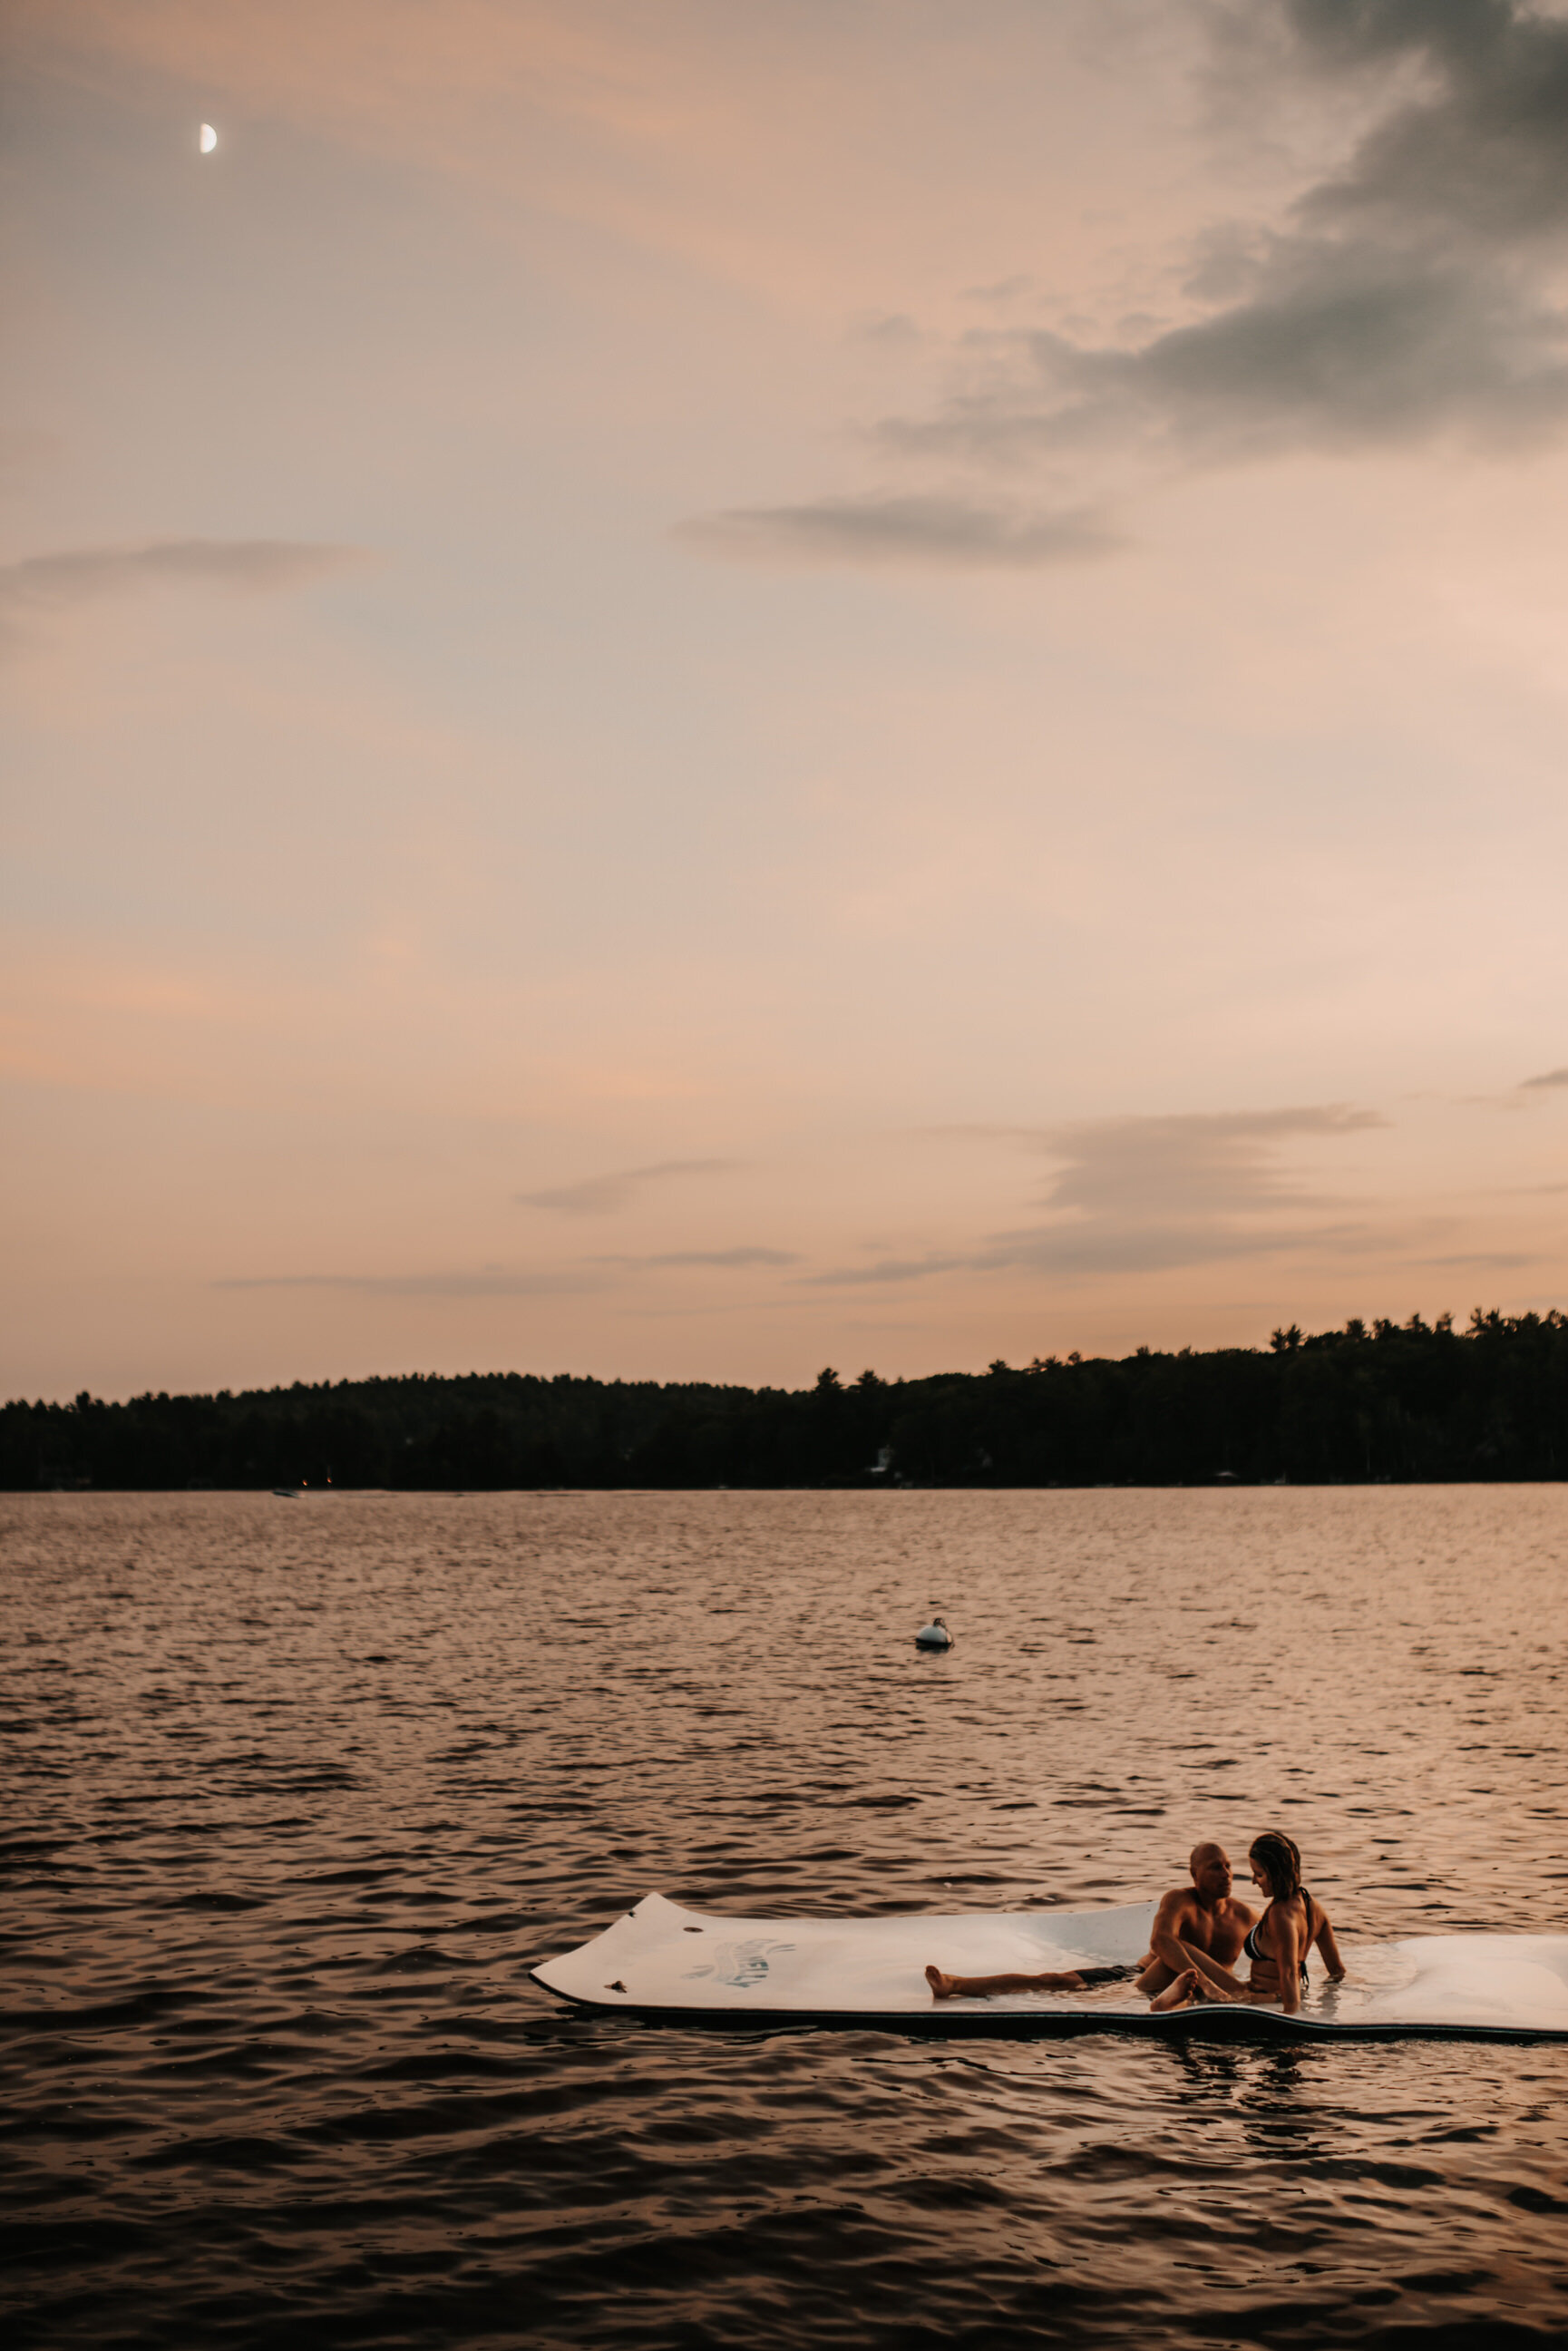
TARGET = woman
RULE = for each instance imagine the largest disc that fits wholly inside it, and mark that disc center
(1277, 1946)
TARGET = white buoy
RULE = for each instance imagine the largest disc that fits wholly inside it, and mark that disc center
(934, 1635)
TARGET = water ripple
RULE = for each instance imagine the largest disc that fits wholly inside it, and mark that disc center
(300, 1790)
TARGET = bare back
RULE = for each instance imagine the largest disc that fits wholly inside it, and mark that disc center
(1281, 1940)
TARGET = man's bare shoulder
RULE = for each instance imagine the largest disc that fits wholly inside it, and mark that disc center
(1180, 1903)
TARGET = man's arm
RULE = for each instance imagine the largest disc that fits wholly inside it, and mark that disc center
(1166, 1934)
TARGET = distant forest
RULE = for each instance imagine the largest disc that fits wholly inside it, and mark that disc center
(1369, 1404)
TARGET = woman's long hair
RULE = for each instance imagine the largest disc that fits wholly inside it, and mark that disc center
(1280, 1858)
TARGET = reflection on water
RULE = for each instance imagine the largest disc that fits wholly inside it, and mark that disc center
(297, 1790)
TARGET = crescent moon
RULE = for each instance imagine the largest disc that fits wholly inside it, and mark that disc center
(208, 140)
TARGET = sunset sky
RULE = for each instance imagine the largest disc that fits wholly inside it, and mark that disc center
(699, 687)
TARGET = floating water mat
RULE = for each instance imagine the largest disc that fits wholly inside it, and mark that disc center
(689, 1967)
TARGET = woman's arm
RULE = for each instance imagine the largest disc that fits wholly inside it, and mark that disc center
(1286, 1938)
(1330, 1950)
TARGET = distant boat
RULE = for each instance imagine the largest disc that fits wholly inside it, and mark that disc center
(286, 1493)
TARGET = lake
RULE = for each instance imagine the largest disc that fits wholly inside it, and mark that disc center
(297, 1791)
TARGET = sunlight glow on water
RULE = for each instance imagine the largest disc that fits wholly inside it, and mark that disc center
(298, 1791)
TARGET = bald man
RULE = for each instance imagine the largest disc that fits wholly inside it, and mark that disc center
(1202, 1913)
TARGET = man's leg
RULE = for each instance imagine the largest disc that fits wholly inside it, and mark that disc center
(1182, 1993)
(1216, 1983)
(945, 1987)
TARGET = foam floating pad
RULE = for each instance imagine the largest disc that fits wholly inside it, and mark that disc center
(690, 1966)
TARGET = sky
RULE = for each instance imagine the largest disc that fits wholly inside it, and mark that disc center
(694, 690)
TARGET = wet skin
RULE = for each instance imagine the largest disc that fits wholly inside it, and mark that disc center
(1203, 1911)
(1200, 1917)
(945, 1987)
(1289, 1930)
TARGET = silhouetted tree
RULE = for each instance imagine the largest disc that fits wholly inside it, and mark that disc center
(1415, 1401)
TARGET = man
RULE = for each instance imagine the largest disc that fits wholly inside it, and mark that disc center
(1202, 1913)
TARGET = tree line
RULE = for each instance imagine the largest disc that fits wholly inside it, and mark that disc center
(1384, 1402)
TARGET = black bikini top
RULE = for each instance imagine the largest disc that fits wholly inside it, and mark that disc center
(1250, 1946)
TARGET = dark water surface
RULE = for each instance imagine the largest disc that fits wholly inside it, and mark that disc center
(297, 1790)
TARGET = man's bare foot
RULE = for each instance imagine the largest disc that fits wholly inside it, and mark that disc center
(942, 1987)
(1182, 1993)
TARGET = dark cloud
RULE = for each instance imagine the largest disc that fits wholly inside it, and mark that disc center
(1146, 1195)
(1197, 1164)
(1483, 153)
(1408, 295)
(1414, 287)
(1488, 1261)
(487, 1283)
(733, 1257)
(1338, 344)
(888, 1270)
(1481, 146)
(600, 1196)
(956, 533)
(592, 1274)
(1110, 1245)
(1548, 1078)
(1352, 31)
(246, 566)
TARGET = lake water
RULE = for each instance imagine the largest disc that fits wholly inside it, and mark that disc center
(296, 1792)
